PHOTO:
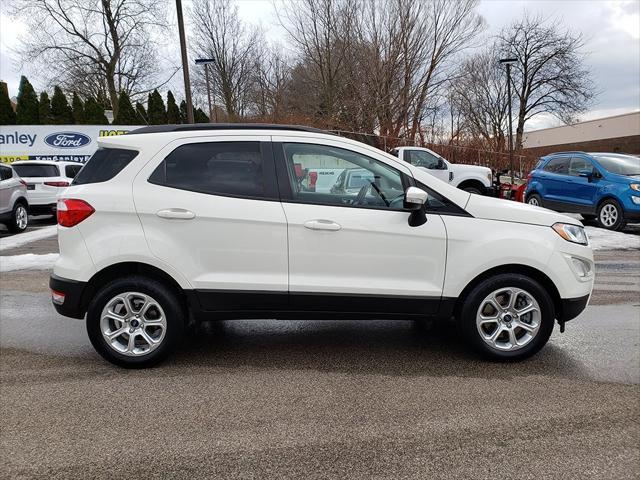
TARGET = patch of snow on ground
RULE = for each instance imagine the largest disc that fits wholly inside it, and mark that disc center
(27, 237)
(28, 261)
(602, 239)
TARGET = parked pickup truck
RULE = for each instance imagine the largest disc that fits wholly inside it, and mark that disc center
(470, 178)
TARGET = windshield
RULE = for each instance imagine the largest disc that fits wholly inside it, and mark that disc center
(36, 170)
(618, 163)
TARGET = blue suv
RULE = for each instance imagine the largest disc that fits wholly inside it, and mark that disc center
(600, 186)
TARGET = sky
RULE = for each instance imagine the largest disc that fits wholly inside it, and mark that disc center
(611, 30)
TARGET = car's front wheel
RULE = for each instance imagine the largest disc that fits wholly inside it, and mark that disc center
(135, 322)
(611, 215)
(507, 317)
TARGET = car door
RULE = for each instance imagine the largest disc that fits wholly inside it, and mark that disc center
(210, 209)
(555, 178)
(355, 251)
(6, 188)
(582, 191)
(430, 163)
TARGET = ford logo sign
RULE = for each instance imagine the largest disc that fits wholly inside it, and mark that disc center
(67, 140)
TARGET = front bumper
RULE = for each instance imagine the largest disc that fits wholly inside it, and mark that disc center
(570, 308)
(74, 305)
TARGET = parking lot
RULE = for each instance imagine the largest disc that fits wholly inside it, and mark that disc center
(318, 399)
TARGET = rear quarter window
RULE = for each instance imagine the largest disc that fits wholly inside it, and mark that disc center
(103, 165)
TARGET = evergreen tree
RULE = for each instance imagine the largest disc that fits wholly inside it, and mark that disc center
(7, 115)
(173, 112)
(141, 114)
(183, 111)
(61, 113)
(126, 113)
(27, 108)
(44, 109)
(199, 116)
(94, 113)
(156, 110)
(77, 107)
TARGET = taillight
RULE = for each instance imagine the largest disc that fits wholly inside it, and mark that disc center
(529, 177)
(72, 211)
(57, 184)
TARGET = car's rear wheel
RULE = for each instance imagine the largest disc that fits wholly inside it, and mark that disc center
(19, 218)
(507, 317)
(535, 200)
(611, 215)
(472, 189)
(135, 322)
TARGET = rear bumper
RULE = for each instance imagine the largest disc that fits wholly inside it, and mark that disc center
(572, 307)
(44, 209)
(73, 290)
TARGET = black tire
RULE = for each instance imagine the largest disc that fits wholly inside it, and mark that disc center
(15, 225)
(472, 301)
(168, 300)
(610, 205)
(534, 199)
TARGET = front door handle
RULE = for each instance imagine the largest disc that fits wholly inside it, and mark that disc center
(176, 214)
(322, 225)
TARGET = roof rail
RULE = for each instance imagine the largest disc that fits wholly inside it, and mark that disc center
(224, 126)
(568, 151)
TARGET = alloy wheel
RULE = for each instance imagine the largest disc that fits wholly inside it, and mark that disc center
(609, 215)
(21, 217)
(534, 201)
(133, 324)
(508, 319)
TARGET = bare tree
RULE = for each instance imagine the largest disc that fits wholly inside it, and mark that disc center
(271, 81)
(479, 95)
(219, 34)
(550, 76)
(93, 46)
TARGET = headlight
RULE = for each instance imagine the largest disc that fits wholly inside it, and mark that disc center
(635, 186)
(571, 233)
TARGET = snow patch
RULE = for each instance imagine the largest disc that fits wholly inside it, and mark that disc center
(28, 261)
(27, 237)
(601, 239)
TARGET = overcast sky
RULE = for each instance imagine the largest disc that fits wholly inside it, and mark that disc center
(611, 30)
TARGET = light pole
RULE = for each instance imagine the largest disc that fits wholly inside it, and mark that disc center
(508, 62)
(206, 62)
(185, 64)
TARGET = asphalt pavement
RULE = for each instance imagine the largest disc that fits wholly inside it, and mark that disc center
(322, 399)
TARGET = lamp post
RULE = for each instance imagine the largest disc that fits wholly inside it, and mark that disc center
(206, 62)
(508, 62)
(185, 64)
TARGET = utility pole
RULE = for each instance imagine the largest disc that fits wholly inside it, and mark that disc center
(185, 64)
(508, 62)
(206, 62)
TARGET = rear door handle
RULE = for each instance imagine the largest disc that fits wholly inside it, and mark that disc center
(322, 225)
(176, 214)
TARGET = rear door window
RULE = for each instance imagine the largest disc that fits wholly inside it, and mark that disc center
(216, 168)
(103, 165)
(35, 170)
(559, 165)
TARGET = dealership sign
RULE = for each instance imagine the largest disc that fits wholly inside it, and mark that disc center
(74, 143)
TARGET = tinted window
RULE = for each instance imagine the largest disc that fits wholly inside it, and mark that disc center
(103, 165)
(70, 171)
(37, 170)
(360, 181)
(558, 165)
(618, 163)
(5, 173)
(224, 168)
(578, 164)
(420, 158)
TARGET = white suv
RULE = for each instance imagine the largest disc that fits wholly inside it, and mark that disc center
(170, 225)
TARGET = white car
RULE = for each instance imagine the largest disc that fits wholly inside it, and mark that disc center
(14, 206)
(470, 178)
(45, 180)
(174, 224)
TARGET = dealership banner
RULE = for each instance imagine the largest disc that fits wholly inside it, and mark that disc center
(75, 143)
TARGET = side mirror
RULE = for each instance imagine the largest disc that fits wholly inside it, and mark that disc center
(586, 173)
(414, 200)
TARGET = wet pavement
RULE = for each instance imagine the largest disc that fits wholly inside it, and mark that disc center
(322, 399)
